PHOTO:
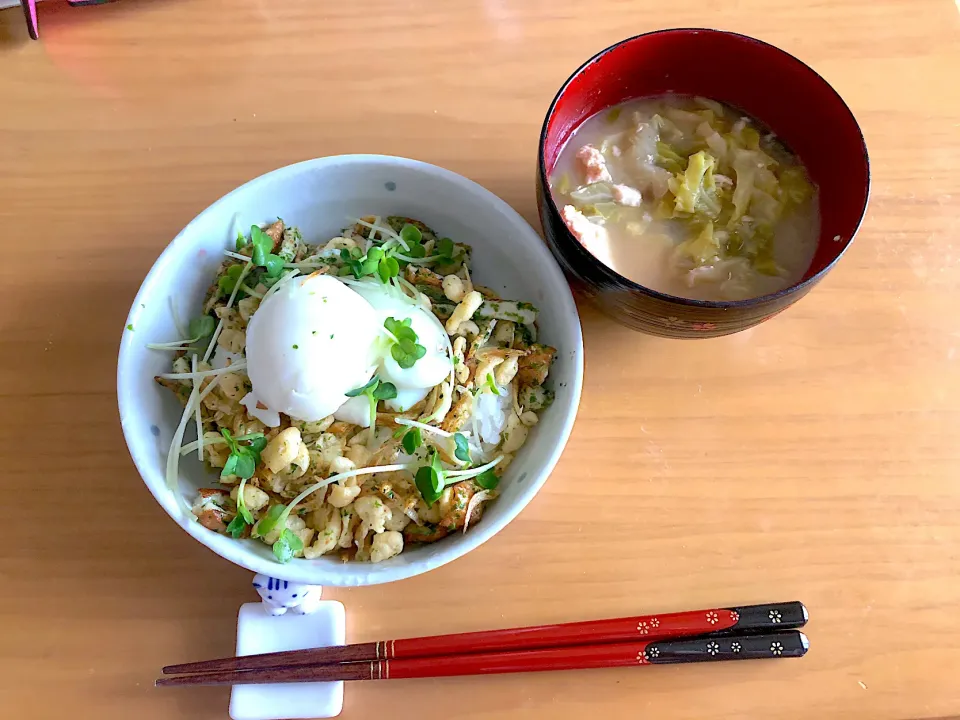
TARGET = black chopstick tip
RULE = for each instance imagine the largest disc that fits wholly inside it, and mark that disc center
(806, 615)
(804, 640)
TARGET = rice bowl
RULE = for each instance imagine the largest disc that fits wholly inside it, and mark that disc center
(509, 257)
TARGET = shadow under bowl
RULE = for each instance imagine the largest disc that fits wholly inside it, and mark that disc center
(763, 81)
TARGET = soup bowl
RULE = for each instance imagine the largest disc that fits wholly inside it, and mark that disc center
(318, 196)
(766, 83)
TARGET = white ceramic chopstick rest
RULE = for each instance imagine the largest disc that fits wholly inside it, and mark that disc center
(279, 596)
(285, 622)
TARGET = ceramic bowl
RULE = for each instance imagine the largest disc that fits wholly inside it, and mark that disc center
(763, 81)
(318, 196)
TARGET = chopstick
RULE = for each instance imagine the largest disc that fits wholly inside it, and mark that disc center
(689, 650)
(716, 621)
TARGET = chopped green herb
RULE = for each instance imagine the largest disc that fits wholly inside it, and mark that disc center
(296, 347)
(331, 336)
(130, 327)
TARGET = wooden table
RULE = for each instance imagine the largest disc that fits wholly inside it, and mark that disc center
(813, 457)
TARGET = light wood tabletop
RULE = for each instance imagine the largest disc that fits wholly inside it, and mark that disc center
(813, 457)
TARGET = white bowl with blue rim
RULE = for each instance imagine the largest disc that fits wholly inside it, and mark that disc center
(317, 196)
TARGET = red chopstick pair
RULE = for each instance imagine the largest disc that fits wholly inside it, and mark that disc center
(750, 632)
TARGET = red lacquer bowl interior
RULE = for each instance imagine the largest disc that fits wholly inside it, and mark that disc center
(760, 79)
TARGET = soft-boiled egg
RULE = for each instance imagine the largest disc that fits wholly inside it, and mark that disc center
(415, 382)
(315, 339)
(308, 344)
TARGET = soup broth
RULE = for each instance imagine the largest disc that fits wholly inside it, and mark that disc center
(686, 196)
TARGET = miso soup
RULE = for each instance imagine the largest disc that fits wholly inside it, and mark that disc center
(688, 197)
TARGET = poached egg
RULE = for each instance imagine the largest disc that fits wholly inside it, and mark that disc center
(415, 382)
(315, 339)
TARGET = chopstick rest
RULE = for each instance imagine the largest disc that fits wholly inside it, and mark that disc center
(260, 630)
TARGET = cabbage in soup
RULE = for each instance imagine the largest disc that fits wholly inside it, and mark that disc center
(686, 196)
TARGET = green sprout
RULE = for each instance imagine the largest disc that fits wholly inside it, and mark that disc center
(228, 281)
(243, 518)
(243, 459)
(488, 480)
(430, 480)
(405, 350)
(375, 391)
(287, 545)
(491, 385)
(447, 251)
(412, 440)
(462, 451)
(269, 521)
(201, 327)
(263, 255)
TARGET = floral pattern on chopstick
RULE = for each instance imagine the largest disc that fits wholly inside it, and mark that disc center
(645, 626)
(683, 650)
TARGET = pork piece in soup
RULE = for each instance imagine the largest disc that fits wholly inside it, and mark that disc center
(688, 197)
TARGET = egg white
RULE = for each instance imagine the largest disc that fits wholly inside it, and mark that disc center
(310, 343)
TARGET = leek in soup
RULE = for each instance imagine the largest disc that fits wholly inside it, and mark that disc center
(686, 196)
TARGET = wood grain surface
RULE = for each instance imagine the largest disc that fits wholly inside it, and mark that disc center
(813, 458)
